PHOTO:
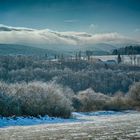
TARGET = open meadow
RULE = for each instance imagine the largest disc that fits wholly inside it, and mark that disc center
(102, 126)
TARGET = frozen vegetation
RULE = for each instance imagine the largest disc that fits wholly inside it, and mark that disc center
(76, 74)
(33, 86)
(65, 99)
(40, 99)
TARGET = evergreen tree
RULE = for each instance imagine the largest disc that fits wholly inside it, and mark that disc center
(119, 59)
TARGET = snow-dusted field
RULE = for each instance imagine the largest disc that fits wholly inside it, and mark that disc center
(125, 58)
(85, 126)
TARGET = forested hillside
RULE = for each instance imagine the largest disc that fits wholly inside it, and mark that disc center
(35, 86)
(76, 74)
(14, 49)
(128, 50)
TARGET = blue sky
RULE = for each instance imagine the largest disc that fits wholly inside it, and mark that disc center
(92, 16)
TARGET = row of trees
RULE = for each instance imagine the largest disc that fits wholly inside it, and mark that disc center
(75, 56)
(39, 98)
(128, 50)
(78, 75)
(131, 51)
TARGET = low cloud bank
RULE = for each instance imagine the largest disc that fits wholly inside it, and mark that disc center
(20, 35)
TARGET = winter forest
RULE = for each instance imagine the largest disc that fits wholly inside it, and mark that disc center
(69, 69)
(35, 86)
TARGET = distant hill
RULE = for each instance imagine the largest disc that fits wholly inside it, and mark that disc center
(67, 42)
(14, 49)
(102, 47)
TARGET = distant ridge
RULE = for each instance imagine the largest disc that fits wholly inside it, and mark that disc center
(15, 49)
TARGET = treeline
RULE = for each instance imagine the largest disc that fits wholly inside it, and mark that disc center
(76, 74)
(39, 98)
(29, 86)
(128, 50)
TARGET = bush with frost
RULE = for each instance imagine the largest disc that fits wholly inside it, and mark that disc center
(134, 94)
(118, 102)
(35, 98)
(89, 100)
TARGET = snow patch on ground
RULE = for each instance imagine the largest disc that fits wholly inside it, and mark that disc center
(76, 117)
(23, 121)
(99, 113)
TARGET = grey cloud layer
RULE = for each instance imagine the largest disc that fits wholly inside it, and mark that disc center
(19, 35)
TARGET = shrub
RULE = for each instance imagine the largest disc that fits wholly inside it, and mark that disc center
(89, 100)
(35, 98)
(118, 102)
(134, 94)
(8, 106)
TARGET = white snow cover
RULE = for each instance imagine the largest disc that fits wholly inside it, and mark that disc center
(22, 121)
(76, 117)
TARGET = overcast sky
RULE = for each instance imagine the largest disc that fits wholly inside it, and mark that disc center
(91, 16)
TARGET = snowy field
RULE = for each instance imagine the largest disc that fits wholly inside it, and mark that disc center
(83, 126)
(125, 58)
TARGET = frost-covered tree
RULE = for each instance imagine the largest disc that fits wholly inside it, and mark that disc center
(91, 101)
(35, 98)
(134, 92)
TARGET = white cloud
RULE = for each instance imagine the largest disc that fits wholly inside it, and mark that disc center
(10, 28)
(93, 26)
(137, 30)
(18, 35)
(70, 20)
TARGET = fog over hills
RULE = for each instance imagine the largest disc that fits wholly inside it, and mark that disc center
(62, 41)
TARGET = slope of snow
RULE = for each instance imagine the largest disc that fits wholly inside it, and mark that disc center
(125, 58)
(22, 121)
(76, 117)
(125, 126)
(98, 113)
